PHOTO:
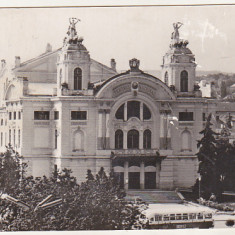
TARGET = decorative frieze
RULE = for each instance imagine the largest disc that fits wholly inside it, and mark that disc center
(119, 90)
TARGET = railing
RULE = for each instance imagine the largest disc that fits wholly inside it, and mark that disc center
(144, 152)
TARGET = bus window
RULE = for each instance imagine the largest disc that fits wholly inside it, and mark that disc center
(192, 216)
(200, 216)
(158, 217)
(178, 217)
(208, 216)
(185, 216)
(152, 219)
(172, 216)
(166, 218)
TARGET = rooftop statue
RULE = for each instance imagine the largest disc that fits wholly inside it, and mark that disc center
(175, 37)
(72, 33)
(72, 29)
(175, 34)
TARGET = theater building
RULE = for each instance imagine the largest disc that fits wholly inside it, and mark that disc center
(65, 109)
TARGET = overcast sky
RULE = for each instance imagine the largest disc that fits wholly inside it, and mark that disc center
(124, 33)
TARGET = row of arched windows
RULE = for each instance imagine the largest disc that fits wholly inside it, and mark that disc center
(133, 109)
(133, 139)
(183, 80)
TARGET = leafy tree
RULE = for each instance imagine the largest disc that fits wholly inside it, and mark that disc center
(207, 157)
(216, 161)
(12, 170)
(98, 203)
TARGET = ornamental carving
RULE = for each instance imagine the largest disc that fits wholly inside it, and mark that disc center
(147, 89)
(119, 90)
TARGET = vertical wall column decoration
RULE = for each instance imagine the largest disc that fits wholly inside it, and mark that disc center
(142, 175)
(100, 131)
(158, 169)
(125, 111)
(126, 178)
(107, 136)
(162, 129)
(124, 139)
(168, 137)
(141, 139)
(141, 112)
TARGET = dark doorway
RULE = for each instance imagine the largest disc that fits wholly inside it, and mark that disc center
(134, 180)
(119, 176)
(150, 180)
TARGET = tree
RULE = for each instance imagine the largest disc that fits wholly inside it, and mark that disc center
(216, 161)
(98, 203)
(207, 157)
(12, 170)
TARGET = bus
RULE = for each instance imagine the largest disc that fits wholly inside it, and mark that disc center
(179, 216)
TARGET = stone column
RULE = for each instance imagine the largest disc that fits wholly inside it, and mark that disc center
(162, 130)
(141, 112)
(158, 169)
(124, 139)
(168, 132)
(107, 136)
(100, 117)
(126, 178)
(141, 140)
(142, 175)
(125, 111)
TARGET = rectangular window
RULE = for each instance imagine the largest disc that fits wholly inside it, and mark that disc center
(41, 115)
(203, 117)
(18, 138)
(19, 115)
(56, 139)
(9, 115)
(10, 136)
(185, 116)
(78, 115)
(14, 137)
(56, 115)
(1, 138)
(14, 115)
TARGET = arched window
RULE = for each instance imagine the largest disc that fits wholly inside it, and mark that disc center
(77, 79)
(166, 78)
(147, 139)
(184, 81)
(186, 141)
(78, 140)
(146, 112)
(119, 139)
(120, 112)
(133, 139)
(133, 109)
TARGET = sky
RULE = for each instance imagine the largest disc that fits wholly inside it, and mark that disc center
(124, 33)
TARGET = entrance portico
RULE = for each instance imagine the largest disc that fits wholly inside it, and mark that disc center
(136, 169)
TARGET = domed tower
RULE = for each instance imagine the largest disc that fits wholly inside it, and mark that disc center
(178, 69)
(73, 66)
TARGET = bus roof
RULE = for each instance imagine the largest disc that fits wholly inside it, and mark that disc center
(174, 208)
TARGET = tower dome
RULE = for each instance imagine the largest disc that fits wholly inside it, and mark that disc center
(178, 68)
(73, 67)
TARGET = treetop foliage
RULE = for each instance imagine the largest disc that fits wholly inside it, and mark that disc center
(96, 204)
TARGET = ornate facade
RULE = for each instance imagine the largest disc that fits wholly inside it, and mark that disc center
(65, 109)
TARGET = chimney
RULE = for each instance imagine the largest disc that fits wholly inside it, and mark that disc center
(17, 61)
(113, 64)
(48, 48)
(3, 63)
